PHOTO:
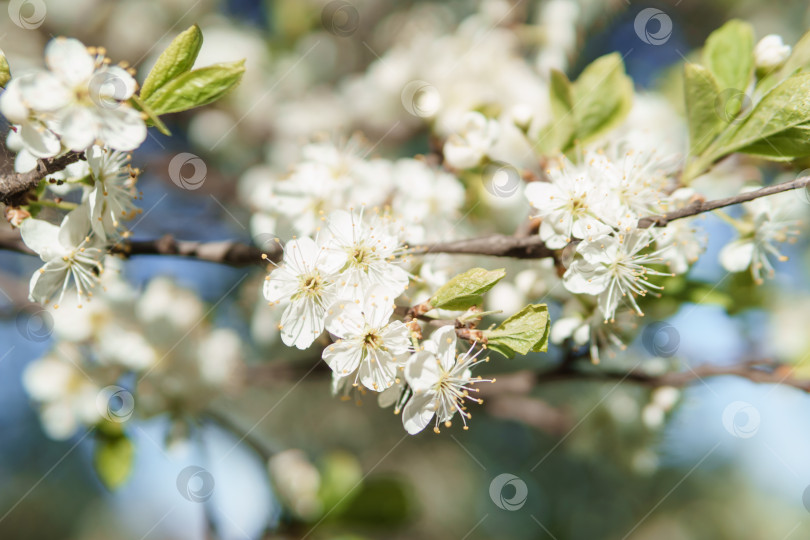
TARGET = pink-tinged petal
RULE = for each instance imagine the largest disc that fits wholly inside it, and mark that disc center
(418, 413)
(39, 141)
(122, 128)
(343, 357)
(423, 371)
(47, 281)
(78, 127)
(301, 323)
(445, 340)
(69, 59)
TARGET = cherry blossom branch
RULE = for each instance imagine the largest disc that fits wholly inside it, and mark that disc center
(757, 371)
(14, 186)
(497, 245)
(700, 206)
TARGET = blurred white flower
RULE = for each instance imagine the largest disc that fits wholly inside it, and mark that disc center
(467, 147)
(113, 195)
(771, 52)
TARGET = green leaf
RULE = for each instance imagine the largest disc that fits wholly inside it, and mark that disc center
(465, 290)
(787, 145)
(729, 55)
(799, 58)
(523, 332)
(701, 93)
(113, 459)
(152, 119)
(601, 96)
(178, 58)
(196, 88)
(772, 120)
(559, 134)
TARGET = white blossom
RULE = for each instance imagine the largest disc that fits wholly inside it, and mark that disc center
(113, 195)
(305, 283)
(441, 382)
(614, 268)
(370, 245)
(68, 253)
(369, 348)
(467, 147)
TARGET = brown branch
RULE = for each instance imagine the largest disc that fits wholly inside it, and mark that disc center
(699, 207)
(758, 371)
(496, 245)
(14, 186)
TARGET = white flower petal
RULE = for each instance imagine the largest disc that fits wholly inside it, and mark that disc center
(417, 413)
(69, 59)
(736, 256)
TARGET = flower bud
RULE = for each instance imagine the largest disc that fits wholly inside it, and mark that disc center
(770, 52)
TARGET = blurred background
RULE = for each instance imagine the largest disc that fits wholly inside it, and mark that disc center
(722, 458)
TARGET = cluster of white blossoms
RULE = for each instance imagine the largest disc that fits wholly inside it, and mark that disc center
(346, 281)
(78, 101)
(332, 176)
(131, 353)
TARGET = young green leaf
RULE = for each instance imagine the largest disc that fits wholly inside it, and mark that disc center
(113, 459)
(774, 118)
(701, 94)
(601, 96)
(523, 332)
(799, 58)
(196, 88)
(559, 134)
(152, 118)
(729, 55)
(178, 58)
(465, 290)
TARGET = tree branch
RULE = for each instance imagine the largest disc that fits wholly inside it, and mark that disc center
(497, 245)
(14, 186)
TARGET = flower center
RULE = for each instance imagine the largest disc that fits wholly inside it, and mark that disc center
(372, 340)
(311, 284)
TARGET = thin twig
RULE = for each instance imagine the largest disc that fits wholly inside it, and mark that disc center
(14, 186)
